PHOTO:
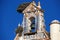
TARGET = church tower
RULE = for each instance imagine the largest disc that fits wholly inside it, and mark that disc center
(33, 22)
(29, 18)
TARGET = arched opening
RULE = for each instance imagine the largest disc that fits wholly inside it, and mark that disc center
(32, 19)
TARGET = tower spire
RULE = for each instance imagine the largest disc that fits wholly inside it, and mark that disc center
(39, 5)
(34, 2)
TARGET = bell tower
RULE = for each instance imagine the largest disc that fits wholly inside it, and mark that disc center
(33, 21)
(29, 18)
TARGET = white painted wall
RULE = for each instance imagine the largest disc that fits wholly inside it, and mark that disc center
(54, 30)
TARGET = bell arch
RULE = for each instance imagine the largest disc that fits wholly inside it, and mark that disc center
(32, 25)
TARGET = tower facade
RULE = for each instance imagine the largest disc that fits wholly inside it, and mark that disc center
(55, 30)
(33, 22)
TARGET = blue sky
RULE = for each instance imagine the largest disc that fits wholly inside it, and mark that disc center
(9, 17)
